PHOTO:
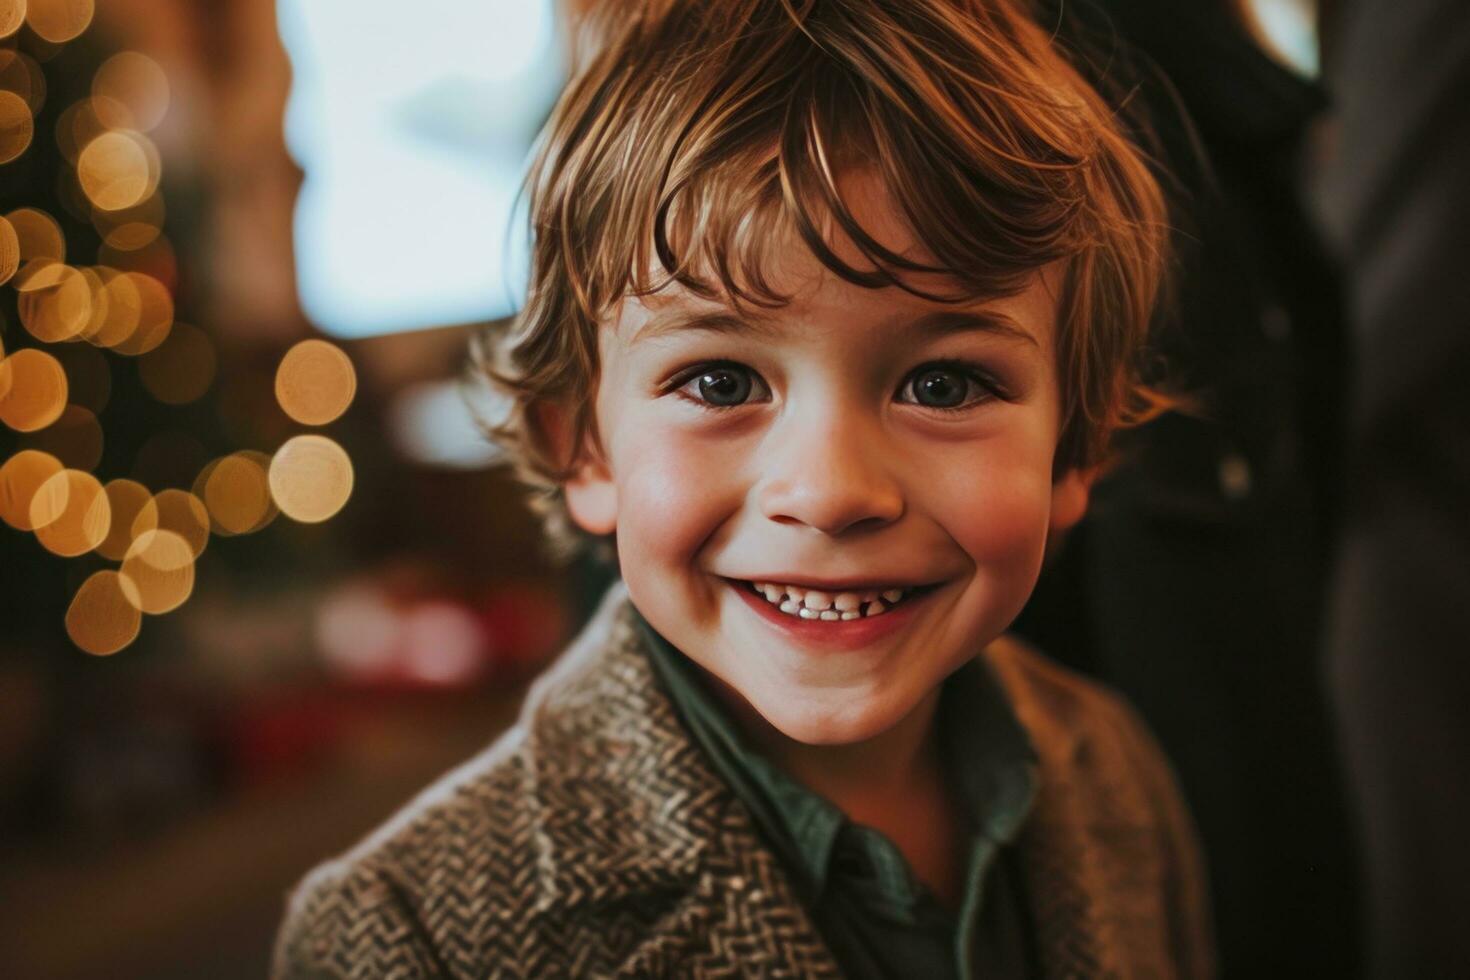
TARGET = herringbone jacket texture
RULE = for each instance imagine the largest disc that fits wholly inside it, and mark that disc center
(594, 840)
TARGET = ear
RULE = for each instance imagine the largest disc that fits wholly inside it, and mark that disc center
(1069, 495)
(591, 494)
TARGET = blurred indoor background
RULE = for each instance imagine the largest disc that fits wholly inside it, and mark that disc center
(261, 576)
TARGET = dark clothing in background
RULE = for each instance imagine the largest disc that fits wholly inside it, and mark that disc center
(1196, 584)
(1398, 200)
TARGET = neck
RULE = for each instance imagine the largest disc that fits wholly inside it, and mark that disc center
(861, 778)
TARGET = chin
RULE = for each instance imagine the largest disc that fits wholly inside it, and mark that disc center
(812, 721)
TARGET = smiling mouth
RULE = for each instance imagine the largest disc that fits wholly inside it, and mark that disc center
(805, 603)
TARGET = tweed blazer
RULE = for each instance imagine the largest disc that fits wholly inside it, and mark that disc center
(594, 840)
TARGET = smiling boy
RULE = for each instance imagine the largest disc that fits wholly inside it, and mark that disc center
(834, 306)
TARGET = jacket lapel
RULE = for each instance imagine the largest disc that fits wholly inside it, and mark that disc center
(638, 821)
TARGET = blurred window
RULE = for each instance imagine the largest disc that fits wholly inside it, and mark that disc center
(413, 124)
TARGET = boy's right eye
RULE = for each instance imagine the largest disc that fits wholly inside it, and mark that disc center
(722, 386)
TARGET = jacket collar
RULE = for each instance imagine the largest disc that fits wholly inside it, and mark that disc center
(640, 815)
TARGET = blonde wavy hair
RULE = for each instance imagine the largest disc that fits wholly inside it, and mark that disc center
(694, 134)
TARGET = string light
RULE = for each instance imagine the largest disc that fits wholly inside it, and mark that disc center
(124, 304)
(310, 478)
(36, 395)
(315, 382)
(102, 619)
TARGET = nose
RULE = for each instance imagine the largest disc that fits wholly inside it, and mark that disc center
(832, 474)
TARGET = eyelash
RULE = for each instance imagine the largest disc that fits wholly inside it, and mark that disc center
(969, 371)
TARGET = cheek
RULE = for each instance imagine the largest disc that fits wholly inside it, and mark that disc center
(995, 503)
(674, 491)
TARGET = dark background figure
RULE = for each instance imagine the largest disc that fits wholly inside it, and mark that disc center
(1398, 202)
(1196, 585)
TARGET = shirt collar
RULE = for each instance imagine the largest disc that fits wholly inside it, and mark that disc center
(986, 751)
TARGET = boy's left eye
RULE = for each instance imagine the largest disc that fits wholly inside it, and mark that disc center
(945, 386)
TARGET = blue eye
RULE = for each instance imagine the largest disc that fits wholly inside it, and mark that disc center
(722, 386)
(944, 386)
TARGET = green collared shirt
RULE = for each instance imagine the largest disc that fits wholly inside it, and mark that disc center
(877, 917)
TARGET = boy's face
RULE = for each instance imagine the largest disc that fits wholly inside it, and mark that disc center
(854, 442)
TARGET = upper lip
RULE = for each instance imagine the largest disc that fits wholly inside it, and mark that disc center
(834, 585)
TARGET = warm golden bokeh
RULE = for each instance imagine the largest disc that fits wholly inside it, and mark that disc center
(37, 393)
(126, 499)
(181, 369)
(132, 91)
(237, 493)
(76, 127)
(131, 228)
(315, 382)
(179, 512)
(157, 259)
(159, 566)
(37, 235)
(101, 618)
(9, 251)
(310, 478)
(75, 438)
(12, 15)
(155, 313)
(5, 372)
(121, 306)
(20, 478)
(98, 299)
(58, 21)
(54, 301)
(81, 522)
(117, 170)
(20, 74)
(16, 126)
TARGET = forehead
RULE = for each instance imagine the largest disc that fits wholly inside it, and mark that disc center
(817, 298)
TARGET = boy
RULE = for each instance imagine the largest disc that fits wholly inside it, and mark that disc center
(834, 306)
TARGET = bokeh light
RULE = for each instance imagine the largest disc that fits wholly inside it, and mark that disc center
(132, 91)
(156, 259)
(181, 369)
(9, 250)
(117, 170)
(126, 499)
(58, 21)
(180, 513)
(310, 478)
(81, 521)
(20, 478)
(315, 382)
(37, 234)
(75, 438)
(12, 15)
(16, 126)
(129, 229)
(76, 127)
(101, 619)
(159, 567)
(37, 393)
(236, 490)
(54, 302)
(20, 74)
(155, 313)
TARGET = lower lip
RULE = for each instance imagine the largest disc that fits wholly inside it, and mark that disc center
(842, 634)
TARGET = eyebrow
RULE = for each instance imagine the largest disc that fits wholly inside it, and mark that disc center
(939, 324)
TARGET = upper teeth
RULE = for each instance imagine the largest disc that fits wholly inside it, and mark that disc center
(816, 604)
